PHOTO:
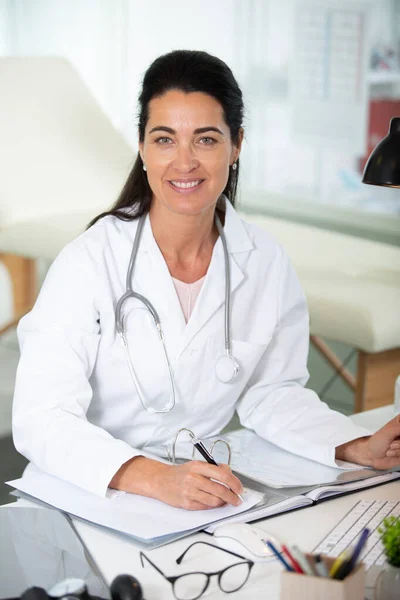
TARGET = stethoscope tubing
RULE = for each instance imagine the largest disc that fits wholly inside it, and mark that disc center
(130, 293)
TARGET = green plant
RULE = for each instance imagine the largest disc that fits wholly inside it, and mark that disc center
(390, 537)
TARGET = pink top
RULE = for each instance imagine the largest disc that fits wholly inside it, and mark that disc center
(187, 294)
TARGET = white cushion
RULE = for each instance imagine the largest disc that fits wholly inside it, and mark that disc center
(58, 151)
(352, 285)
(45, 237)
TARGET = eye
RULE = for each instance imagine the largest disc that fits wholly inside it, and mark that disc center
(163, 140)
(207, 141)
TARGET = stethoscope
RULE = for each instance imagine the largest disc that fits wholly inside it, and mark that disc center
(226, 367)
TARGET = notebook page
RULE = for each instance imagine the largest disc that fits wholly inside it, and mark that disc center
(334, 490)
(270, 465)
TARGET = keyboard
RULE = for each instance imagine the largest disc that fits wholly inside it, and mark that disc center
(366, 513)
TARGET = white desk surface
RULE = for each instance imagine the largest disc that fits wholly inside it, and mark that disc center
(304, 527)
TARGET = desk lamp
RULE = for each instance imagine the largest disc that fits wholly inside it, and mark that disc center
(383, 166)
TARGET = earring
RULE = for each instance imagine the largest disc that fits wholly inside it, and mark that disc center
(144, 168)
(234, 166)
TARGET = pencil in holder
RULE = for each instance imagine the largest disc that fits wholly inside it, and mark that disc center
(309, 587)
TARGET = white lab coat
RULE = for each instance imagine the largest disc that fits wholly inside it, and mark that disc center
(76, 411)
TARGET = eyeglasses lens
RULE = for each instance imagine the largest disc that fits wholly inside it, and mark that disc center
(190, 586)
(234, 578)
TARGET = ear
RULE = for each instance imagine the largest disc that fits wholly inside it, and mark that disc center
(141, 151)
(237, 149)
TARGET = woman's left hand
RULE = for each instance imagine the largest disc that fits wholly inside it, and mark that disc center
(380, 450)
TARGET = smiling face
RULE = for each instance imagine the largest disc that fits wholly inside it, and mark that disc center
(187, 150)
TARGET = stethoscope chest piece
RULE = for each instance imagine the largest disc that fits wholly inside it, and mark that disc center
(226, 368)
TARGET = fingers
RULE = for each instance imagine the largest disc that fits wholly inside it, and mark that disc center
(395, 445)
(196, 505)
(199, 493)
(221, 491)
(205, 486)
(393, 453)
(209, 500)
(386, 463)
(393, 427)
(222, 474)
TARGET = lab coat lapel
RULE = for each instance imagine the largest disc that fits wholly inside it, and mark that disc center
(153, 280)
(212, 294)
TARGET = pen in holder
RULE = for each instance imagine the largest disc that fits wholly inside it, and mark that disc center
(310, 587)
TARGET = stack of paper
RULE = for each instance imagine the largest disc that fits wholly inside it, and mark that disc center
(147, 520)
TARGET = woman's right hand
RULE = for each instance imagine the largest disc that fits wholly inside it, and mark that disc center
(192, 485)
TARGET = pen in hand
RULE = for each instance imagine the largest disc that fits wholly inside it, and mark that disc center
(198, 444)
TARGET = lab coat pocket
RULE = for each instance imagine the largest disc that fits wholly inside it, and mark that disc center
(246, 354)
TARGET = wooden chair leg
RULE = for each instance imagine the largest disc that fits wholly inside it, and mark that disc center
(376, 376)
(334, 361)
(23, 279)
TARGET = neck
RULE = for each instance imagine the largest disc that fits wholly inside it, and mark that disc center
(185, 241)
(181, 236)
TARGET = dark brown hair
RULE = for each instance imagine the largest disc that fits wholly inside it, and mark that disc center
(187, 71)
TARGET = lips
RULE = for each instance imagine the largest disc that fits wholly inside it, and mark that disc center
(186, 185)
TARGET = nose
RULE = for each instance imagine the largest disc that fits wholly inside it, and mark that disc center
(185, 159)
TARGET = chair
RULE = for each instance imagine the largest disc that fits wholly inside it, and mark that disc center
(352, 287)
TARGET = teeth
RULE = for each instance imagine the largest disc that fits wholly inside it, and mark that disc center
(186, 185)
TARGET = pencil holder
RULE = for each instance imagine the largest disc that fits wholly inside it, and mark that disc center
(308, 587)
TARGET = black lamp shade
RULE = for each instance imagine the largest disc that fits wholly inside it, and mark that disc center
(383, 166)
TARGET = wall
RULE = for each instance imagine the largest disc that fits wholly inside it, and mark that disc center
(111, 42)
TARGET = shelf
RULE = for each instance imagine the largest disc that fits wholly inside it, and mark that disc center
(383, 77)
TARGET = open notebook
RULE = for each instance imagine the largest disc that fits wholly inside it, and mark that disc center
(269, 465)
(289, 481)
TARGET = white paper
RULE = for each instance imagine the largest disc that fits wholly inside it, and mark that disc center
(138, 516)
(266, 463)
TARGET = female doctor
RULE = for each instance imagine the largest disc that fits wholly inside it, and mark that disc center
(171, 312)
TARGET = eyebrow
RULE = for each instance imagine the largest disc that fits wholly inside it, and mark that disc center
(196, 131)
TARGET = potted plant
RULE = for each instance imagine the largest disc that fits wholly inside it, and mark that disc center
(388, 584)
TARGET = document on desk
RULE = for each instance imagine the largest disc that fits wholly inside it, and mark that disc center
(269, 465)
(143, 518)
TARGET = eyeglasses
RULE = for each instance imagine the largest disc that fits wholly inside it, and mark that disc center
(191, 586)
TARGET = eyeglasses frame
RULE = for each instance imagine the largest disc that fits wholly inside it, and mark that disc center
(173, 579)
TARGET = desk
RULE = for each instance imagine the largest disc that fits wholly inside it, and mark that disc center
(304, 527)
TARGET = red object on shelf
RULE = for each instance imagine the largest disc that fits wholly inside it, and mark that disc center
(380, 113)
